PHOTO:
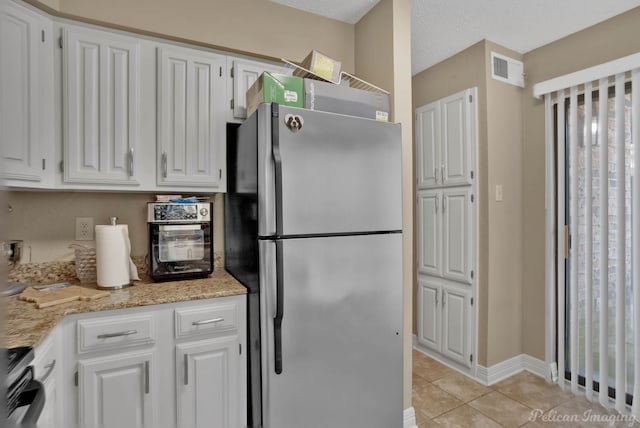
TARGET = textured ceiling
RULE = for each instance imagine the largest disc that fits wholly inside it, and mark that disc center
(442, 28)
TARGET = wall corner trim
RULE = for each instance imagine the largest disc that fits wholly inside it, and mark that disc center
(409, 418)
(510, 367)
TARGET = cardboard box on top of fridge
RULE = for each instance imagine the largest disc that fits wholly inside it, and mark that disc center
(342, 99)
(275, 88)
(323, 66)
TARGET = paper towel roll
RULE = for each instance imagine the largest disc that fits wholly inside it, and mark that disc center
(114, 268)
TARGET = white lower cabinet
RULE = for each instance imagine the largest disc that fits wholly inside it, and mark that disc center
(46, 365)
(117, 391)
(207, 383)
(444, 319)
(118, 366)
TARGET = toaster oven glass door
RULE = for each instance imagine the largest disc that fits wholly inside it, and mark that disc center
(182, 242)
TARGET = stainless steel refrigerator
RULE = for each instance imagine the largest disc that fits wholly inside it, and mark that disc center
(313, 229)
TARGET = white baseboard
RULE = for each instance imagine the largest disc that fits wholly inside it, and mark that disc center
(497, 372)
(409, 418)
(504, 369)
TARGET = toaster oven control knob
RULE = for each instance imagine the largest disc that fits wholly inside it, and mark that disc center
(204, 212)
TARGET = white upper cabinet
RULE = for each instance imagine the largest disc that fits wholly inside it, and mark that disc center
(244, 73)
(101, 107)
(26, 96)
(191, 126)
(445, 131)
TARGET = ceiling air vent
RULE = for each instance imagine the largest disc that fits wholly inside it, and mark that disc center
(507, 69)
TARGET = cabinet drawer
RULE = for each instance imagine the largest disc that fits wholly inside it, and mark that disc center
(212, 319)
(115, 332)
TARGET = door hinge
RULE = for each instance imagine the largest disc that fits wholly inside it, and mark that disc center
(44, 164)
(232, 68)
(220, 73)
(471, 358)
(472, 198)
(472, 301)
(42, 33)
(470, 98)
(219, 174)
(472, 175)
(240, 348)
(472, 274)
(75, 378)
(60, 42)
(231, 104)
(61, 166)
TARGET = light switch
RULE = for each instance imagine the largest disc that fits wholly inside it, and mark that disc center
(499, 193)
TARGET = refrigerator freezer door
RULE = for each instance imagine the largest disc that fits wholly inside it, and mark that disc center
(335, 174)
(341, 332)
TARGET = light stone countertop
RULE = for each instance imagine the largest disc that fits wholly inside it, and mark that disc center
(25, 325)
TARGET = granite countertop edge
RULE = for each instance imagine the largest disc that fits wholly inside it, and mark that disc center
(25, 325)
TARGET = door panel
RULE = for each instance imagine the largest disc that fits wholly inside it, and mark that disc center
(342, 323)
(455, 140)
(457, 234)
(339, 174)
(428, 145)
(429, 232)
(455, 316)
(429, 314)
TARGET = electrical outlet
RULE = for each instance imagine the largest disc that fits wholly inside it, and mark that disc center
(84, 228)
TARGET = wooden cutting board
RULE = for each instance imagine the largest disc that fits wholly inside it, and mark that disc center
(46, 298)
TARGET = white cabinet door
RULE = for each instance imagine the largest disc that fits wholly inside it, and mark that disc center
(26, 95)
(46, 365)
(457, 234)
(445, 133)
(456, 310)
(101, 110)
(244, 74)
(117, 391)
(428, 145)
(455, 139)
(207, 381)
(429, 315)
(191, 125)
(429, 232)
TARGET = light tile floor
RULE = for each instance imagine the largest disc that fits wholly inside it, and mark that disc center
(443, 397)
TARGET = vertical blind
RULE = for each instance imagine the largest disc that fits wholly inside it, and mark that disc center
(593, 128)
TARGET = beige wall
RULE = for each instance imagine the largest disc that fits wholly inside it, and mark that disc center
(504, 141)
(499, 157)
(383, 57)
(609, 40)
(253, 26)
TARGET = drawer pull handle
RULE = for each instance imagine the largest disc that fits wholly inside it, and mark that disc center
(49, 368)
(186, 369)
(209, 321)
(118, 334)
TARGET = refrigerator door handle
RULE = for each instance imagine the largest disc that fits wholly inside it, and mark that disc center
(277, 320)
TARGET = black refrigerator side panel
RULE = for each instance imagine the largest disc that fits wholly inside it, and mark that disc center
(241, 204)
(241, 246)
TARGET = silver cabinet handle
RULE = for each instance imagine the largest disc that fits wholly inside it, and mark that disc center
(437, 203)
(118, 334)
(130, 161)
(442, 173)
(146, 377)
(444, 203)
(186, 369)
(209, 321)
(444, 300)
(49, 368)
(435, 174)
(436, 297)
(164, 164)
